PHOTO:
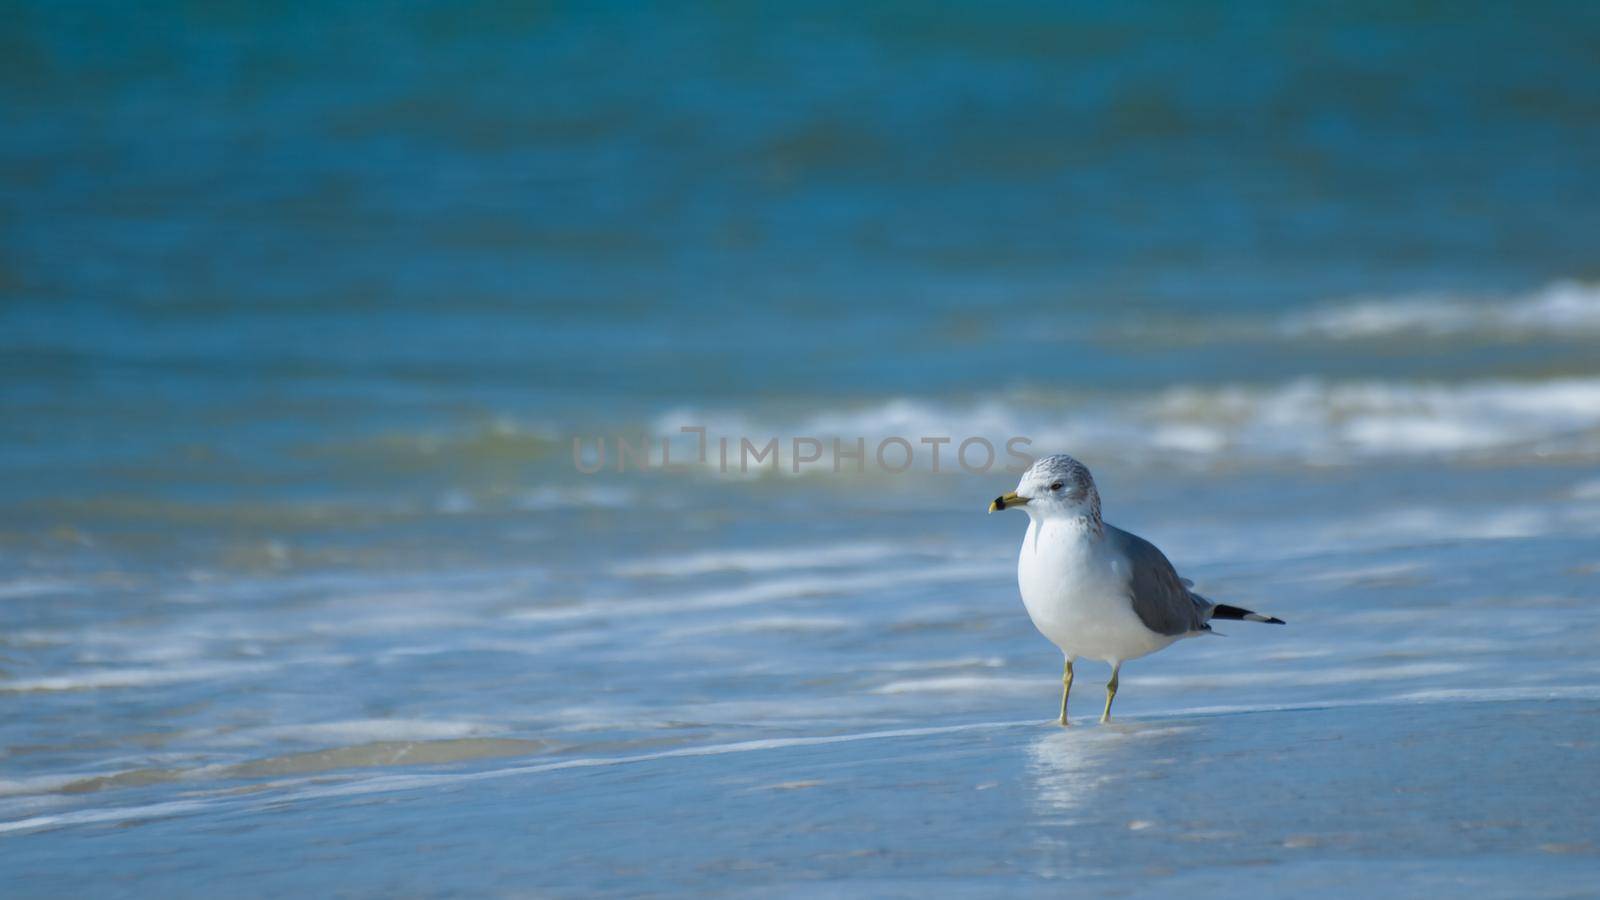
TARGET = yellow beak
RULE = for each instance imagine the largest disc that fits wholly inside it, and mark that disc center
(1007, 500)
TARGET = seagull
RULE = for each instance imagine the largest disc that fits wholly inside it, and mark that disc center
(1095, 590)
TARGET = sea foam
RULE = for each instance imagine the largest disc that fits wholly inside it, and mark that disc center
(1309, 421)
(1563, 309)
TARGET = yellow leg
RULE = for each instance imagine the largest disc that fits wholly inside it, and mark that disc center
(1066, 688)
(1111, 692)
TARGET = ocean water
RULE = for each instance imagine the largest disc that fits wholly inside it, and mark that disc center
(303, 309)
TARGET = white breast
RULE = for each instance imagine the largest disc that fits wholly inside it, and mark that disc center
(1077, 596)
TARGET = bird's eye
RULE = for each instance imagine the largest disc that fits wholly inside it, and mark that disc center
(1056, 486)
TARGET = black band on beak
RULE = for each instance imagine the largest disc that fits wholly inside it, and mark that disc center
(999, 503)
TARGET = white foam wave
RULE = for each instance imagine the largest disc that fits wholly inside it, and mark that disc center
(18, 588)
(1341, 675)
(1306, 421)
(922, 665)
(132, 677)
(357, 731)
(1563, 309)
(991, 685)
(769, 560)
(960, 684)
(765, 592)
(107, 814)
(40, 784)
(764, 625)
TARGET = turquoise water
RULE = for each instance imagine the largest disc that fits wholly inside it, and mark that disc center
(301, 311)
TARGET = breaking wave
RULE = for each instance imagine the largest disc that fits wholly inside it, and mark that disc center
(1305, 421)
(1569, 309)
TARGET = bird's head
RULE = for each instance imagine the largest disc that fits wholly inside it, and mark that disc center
(1054, 487)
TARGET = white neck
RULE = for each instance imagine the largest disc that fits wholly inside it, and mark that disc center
(1085, 524)
(1063, 529)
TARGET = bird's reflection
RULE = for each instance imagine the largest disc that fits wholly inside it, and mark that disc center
(1072, 767)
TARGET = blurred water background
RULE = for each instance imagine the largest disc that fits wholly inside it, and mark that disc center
(301, 307)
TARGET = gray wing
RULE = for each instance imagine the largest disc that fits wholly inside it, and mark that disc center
(1161, 599)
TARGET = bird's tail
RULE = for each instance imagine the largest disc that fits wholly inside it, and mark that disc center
(1224, 611)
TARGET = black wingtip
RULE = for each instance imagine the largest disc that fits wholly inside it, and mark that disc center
(1224, 611)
